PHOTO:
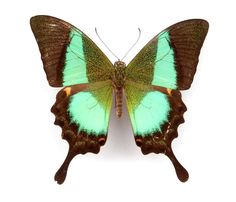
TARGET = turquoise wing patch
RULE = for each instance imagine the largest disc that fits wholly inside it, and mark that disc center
(148, 110)
(164, 67)
(75, 63)
(151, 113)
(90, 111)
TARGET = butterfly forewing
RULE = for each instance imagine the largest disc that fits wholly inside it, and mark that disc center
(170, 58)
(68, 55)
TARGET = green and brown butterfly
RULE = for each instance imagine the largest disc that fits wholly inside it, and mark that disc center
(151, 82)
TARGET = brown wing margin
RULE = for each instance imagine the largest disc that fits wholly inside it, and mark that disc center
(78, 143)
(187, 38)
(160, 142)
(52, 36)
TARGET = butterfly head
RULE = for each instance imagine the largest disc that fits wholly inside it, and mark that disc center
(119, 73)
(119, 65)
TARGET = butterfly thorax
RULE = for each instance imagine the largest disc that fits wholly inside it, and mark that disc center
(119, 74)
(118, 83)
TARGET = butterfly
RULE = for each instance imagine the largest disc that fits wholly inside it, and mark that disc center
(151, 83)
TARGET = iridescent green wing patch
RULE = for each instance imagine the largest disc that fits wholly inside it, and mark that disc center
(148, 110)
(170, 58)
(155, 115)
(68, 55)
(90, 111)
(83, 113)
(75, 69)
(164, 73)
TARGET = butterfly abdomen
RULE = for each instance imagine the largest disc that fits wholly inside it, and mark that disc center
(118, 100)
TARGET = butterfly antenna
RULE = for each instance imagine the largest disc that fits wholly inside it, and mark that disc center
(105, 44)
(139, 34)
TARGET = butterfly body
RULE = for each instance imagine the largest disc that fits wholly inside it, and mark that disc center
(151, 84)
(118, 85)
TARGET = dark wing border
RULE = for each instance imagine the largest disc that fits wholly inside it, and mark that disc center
(52, 36)
(187, 38)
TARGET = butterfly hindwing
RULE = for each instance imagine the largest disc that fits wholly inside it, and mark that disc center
(170, 58)
(155, 115)
(83, 113)
(68, 55)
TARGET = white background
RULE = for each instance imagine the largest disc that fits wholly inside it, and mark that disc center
(31, 149)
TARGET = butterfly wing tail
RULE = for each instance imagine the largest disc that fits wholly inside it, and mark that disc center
(181, 172)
